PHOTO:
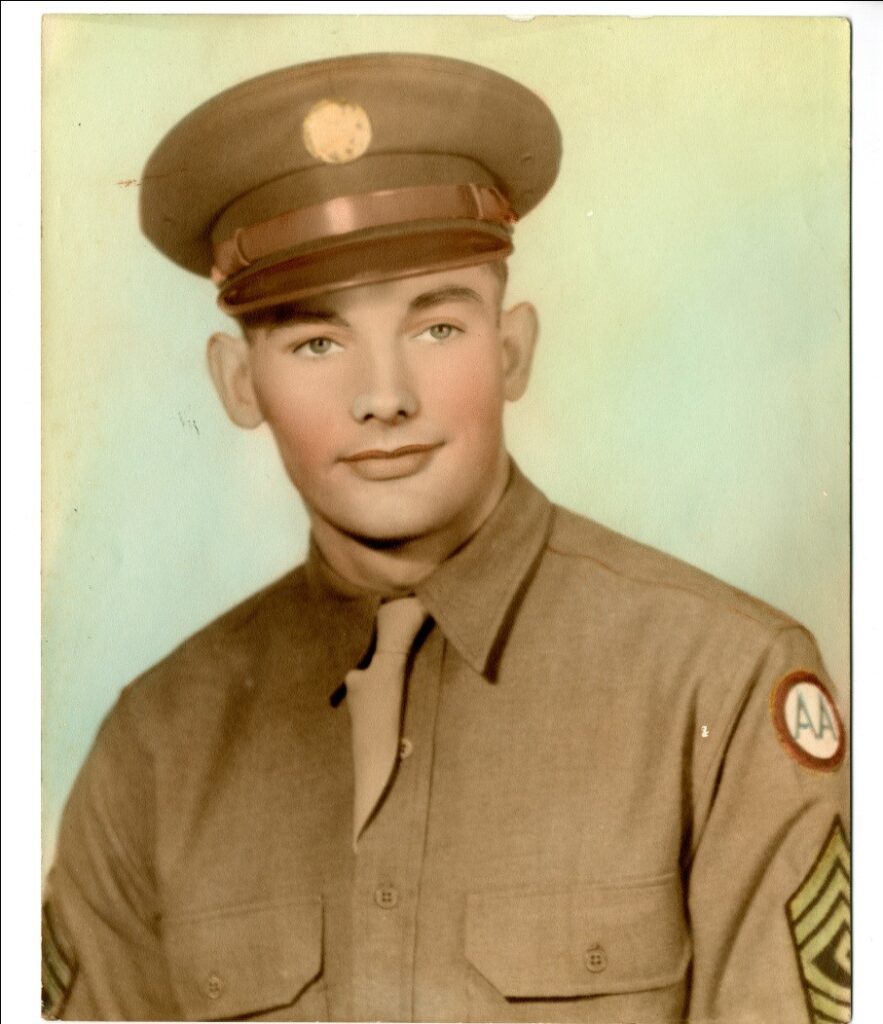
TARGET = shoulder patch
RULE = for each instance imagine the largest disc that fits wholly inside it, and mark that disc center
(819, 916)
(807, 721)
(58, 970)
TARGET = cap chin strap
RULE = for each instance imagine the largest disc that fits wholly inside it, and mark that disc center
(346, 214)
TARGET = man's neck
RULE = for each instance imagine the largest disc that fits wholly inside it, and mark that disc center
(396, 567)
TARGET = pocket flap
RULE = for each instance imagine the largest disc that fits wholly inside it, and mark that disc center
(579, 942)
(246, 960)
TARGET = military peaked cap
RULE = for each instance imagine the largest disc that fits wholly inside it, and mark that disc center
(348, 171)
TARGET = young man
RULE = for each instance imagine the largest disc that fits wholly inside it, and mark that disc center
(479, 758)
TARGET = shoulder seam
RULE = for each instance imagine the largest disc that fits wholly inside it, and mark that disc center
(647, 581)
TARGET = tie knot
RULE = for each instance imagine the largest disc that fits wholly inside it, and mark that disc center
(398, 622)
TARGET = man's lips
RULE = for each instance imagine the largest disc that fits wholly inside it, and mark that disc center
(384, 464)
(393, 453)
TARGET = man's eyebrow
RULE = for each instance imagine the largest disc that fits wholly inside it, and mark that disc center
(295, 314)
(449, 293)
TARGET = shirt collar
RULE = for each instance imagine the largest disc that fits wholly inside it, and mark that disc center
(473, 594)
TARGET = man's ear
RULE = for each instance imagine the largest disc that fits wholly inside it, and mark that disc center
(229, 361)
(519, 328)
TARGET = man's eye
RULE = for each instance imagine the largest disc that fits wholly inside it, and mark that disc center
(316, 347)
(442, 332)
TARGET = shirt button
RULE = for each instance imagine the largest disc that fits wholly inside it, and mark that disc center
(596, 959)
(406, 748)
(386, 897)
(213, 986)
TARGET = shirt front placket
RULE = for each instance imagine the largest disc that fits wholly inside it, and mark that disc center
(388, 864)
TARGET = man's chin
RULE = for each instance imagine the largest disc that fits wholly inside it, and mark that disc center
(387, 535)
(390, 536)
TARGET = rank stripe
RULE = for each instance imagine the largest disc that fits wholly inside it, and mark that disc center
(815, 977)
(838, 914)
(834, 850)
(839, 1012)
(820, 889)
(842, 1005)
(835, 887)
(823, 1018)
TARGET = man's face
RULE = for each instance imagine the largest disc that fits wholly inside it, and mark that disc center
(386, 402)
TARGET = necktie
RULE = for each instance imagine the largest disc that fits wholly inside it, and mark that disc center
(374, 698)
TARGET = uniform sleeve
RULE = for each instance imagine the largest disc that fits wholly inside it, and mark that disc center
(102, 958)
(769, 882)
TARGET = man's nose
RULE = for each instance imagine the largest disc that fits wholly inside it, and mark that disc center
(386, 390)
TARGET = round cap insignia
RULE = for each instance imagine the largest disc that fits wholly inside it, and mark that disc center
(336, 131)
(807, 721)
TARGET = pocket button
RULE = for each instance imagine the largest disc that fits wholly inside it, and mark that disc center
(213, 986)
(596, 959)
(386, 897)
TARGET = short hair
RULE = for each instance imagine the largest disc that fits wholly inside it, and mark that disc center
(275, 316)
(501, 269)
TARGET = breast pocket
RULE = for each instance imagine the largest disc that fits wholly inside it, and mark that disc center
(249, 962)
(625, 948)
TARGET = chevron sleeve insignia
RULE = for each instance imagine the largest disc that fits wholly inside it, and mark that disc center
(820, 919)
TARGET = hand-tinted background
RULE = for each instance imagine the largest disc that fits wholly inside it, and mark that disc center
(690, 269)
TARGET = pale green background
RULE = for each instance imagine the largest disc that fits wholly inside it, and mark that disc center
(690, 269)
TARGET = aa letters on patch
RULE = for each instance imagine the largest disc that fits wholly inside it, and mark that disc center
(807, 721)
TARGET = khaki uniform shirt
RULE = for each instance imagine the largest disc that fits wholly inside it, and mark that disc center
(593, 817)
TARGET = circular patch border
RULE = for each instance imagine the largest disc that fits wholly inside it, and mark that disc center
(779, 696)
